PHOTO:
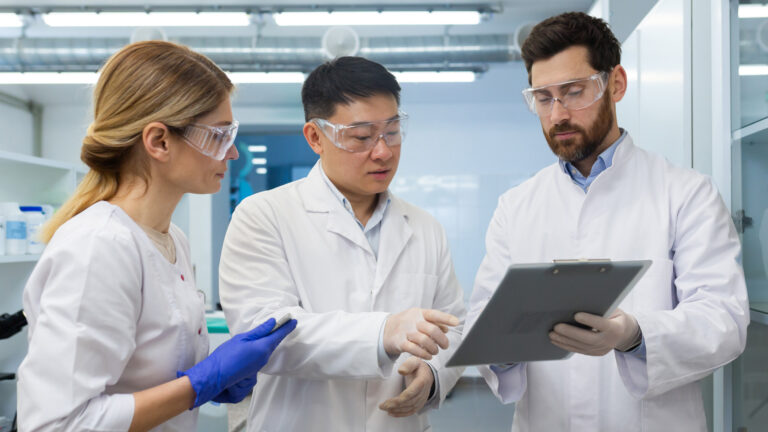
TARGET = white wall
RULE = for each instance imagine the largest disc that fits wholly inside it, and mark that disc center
(64, 127)
(657, 107)
(15, 124)
(459, 157)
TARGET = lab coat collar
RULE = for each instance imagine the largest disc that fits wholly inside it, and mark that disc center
(395, 234)
(625, 150)
(319, 198)
(395, 229)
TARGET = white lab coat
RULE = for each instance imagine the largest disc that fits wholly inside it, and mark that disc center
(691, 304)
(108, 316)
(296, 249)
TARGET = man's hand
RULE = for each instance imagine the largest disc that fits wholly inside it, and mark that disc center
(620, 331)
(420, 332)
(418, 383)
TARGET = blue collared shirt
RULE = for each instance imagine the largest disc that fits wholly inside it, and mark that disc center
(603, 162)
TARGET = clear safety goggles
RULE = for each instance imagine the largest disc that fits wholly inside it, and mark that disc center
(360, 137)
(212, 141)
(573, 95)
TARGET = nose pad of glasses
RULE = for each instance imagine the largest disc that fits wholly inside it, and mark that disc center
(557, 109)
(379, 149)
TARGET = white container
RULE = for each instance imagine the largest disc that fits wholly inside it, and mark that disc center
(2, 234)
(15, 229)
(35, 221)
(47, 211)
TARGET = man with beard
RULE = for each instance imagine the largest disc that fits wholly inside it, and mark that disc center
(637, 369)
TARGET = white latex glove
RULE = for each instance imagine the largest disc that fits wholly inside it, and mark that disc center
(418, 383)
(420, 332)
(619, 331)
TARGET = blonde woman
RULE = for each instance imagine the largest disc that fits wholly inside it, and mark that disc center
(117, 334)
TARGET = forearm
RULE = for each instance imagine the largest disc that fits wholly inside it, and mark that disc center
(331, 345)
(159, 404)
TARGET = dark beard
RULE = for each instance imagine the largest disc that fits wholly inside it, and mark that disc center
(585, 143)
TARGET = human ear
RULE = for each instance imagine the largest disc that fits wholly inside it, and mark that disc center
(312, 135)
(155, 139)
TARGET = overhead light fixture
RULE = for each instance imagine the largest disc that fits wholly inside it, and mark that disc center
(368, 18)
(266, 77)
(259, 161)
(147, 19)
(91, 77)
(435, 77)
(261, 170)
(10, 20)
(48, 77)
(753, 69)
(753, 11)
(257, 148)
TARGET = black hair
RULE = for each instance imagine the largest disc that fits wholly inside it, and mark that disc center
(340, 81)
(555, 34)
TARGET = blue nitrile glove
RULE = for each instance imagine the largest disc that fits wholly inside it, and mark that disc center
(235, 360)
(237, 391)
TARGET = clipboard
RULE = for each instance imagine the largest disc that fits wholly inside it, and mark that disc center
(514, 326)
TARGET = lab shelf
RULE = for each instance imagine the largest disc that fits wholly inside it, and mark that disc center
(33, 180)
(16, 158)
(10, 259)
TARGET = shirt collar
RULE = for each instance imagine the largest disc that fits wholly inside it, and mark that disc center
(378, 213)
(604, 159)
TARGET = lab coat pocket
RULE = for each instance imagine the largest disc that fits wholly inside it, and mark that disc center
(412, 290)
(653, 291)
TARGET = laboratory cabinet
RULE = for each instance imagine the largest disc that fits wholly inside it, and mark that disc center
(27, 180)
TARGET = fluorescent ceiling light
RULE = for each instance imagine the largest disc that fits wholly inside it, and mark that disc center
(753, 69)
(48, 77)
(91, 77)
(753, 11)
(259, 161)
(257, 148)
(266, 77)
(10, 20)
(261, 170)
(143, 19)
(377, 18)
(447, 76)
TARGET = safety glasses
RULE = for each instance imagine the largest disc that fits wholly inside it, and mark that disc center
(360, 137)
(212, 141)
(573, 95)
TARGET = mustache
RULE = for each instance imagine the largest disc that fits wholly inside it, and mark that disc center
(564, 127)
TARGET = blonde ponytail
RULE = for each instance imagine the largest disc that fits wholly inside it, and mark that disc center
(142, 83)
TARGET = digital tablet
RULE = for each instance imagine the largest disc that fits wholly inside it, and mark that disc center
(515, 324)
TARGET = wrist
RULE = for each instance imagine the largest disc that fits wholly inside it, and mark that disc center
(389, 347)
(632, 342)
(201, 386)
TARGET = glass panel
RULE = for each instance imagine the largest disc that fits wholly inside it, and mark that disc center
(750, 384)
(750, 176)
(749, 48)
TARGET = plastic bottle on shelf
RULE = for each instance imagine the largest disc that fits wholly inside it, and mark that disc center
(15, 229)
(47, 211)
(35, 221)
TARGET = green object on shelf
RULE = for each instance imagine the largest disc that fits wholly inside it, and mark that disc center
(216, 325)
